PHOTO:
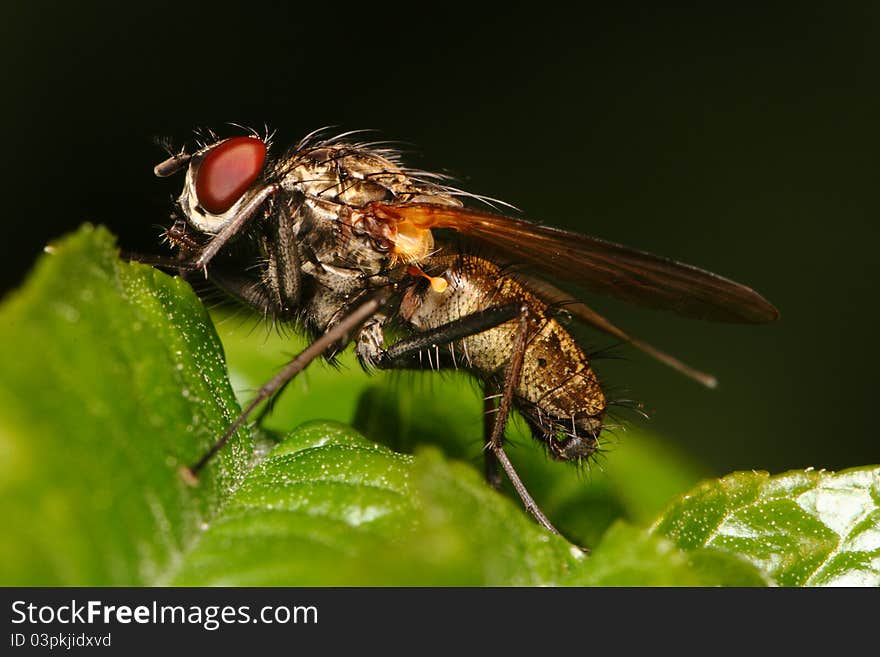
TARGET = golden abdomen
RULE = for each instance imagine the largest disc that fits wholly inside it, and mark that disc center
(558, 392)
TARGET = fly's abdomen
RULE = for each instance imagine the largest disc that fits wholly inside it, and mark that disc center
(558, 393)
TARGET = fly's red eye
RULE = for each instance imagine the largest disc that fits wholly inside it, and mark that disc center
(227, 171)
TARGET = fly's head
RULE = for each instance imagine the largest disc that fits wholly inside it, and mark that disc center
(221, 179)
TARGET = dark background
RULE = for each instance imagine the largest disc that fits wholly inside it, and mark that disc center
(740, 139)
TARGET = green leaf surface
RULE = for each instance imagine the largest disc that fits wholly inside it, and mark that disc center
(110, 378)
(629, 556)
(328, 507)
(803, 528)
(320, 499)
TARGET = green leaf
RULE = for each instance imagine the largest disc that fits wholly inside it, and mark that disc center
(111, 377)
(629, 556)
(319, 500)
(468, 534)
(803, 528)
(328, 507)
(638, 472)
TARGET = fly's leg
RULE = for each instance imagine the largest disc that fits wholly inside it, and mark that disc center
(264, 299)
(284, 271)
(283, 280)
(177, 236)
(197, 256)
(277, 295)
(496, 438)
(333, 335)
(493, 476)
(274, 297)
(402, 355)
(239, 222)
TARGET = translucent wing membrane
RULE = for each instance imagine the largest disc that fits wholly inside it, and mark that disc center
(603, 267)
(583, 312)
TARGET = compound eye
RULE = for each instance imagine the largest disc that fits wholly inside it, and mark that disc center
(227, 171)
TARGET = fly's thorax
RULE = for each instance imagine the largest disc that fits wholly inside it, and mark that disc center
(355, 177)
(339, 267)
(322, 187)
(327, 240)
(558, 392)
(342, 175)
(336, 183)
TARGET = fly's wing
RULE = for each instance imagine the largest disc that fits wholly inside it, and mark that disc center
(603, 267)
(583, 312)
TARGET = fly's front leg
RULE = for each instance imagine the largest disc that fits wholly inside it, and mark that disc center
(277, 294)
(195, 255)
(239, 222)
(177, 236)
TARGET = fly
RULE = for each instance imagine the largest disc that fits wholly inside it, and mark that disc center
(353, 247)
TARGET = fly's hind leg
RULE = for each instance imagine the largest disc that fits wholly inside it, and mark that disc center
(495, 443)
(404, 354)
(493, 475)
